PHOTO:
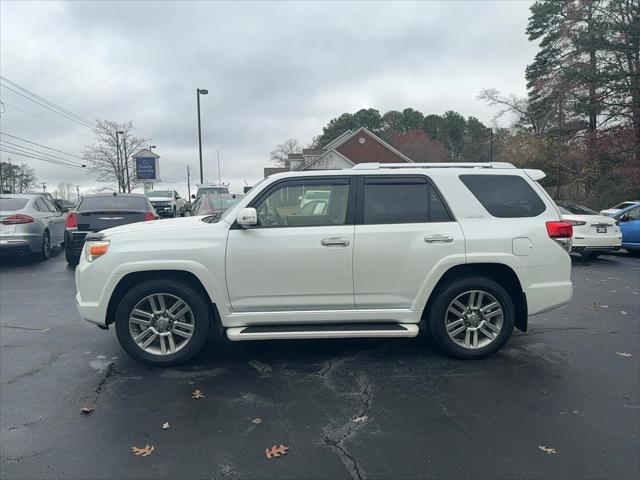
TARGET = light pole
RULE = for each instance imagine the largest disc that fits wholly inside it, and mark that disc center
(119, 168)
(200, 91)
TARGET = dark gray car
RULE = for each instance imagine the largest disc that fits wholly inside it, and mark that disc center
(29, 224)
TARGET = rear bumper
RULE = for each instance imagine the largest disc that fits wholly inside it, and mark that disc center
(74, 242)
(21, 244)
(544, 297)
(589, 242)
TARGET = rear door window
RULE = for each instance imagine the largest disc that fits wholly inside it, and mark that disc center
(113, 203)
(388, 200)
(505, 196)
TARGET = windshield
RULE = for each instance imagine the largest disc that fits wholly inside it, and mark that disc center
(623, 205)
(160, 193)
(12, 204)
(205, 190)
(573, 209)
(229, 211)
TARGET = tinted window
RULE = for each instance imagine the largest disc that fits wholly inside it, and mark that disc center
(113, 203)
(12, 204)
(401, 200)
(505, 196)
(633, 214)
(573, 209)
(287, 206)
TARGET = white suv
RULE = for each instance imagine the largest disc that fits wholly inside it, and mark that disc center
(467, 251)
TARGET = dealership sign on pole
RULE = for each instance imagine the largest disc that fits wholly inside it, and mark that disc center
(147, 168)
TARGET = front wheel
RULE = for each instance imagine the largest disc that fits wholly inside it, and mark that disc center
(162, 322)
(472, 317)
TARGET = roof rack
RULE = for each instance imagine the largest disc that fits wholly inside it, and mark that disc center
(377, 166)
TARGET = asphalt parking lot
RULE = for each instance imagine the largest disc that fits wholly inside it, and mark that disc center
(347, 409)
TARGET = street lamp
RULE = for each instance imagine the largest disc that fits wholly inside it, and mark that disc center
(200, 91)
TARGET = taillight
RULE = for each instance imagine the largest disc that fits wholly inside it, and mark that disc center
(17, 219)
(561, 231)
(150, 216)
(72, 220)
(576, 223)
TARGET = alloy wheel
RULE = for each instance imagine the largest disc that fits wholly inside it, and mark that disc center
(474, 319)
(161, 324)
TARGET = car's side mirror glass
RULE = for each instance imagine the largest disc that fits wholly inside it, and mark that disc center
(248, 217)
(193, 195)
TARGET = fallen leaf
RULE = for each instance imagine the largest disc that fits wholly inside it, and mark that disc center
(197, 394)
(276, 451)
(87, 409)
(166, 426)
(622, 312)
(360, 419)
(543, 392)
(604, 306)
(623, 354)
(143, 452)
(547, 450)
(257, 421)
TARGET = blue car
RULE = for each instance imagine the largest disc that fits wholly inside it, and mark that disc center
(629, 220)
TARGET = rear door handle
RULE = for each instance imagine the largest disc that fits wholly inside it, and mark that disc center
(438, 238)
(335, 241)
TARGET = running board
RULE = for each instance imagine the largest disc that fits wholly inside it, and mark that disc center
(337, 330)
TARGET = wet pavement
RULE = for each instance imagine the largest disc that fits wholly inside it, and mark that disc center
(369, 408)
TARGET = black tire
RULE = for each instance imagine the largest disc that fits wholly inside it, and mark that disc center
(191, 296)
(436, 316)
(45, 254)
(71, 257)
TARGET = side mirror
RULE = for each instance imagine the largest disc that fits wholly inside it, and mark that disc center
(193, 195)
(248, 217)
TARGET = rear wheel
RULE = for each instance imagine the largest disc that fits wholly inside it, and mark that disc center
(72, 258)
(45, 253)
(472, 318)
(162, 322)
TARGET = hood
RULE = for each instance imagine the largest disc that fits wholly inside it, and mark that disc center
(154, 226)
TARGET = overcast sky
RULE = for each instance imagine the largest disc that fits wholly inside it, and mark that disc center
(273, 71)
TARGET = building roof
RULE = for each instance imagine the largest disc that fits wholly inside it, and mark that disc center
(349, 134)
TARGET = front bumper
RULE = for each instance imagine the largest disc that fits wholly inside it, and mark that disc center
(164, 211)
(92, 295)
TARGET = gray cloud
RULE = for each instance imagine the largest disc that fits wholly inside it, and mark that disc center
(274, 70)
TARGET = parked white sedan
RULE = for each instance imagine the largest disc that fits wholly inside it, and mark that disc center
(613, 211)
(593, 234)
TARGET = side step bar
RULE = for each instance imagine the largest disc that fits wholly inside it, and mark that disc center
(337, 330)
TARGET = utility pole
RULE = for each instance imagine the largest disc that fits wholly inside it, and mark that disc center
(78, 192)
(44, 186)
(188, 185)
(219, 178)
(119, 169)
(13, 177)
(126, 162)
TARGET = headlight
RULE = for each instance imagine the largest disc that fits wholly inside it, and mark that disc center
(95, 249)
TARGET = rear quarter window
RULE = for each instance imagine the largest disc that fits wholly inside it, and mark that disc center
(505, 196)
(113, 203)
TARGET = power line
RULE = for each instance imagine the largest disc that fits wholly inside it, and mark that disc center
(42, 99)
(46, 120)
(39, 156)
(3, 149)
(87, 125)
(39, 145)
(33, 150)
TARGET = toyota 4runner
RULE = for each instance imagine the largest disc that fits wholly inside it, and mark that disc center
(464, 251)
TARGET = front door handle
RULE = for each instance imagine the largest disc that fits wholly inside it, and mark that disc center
(438, 238)
(335, 241)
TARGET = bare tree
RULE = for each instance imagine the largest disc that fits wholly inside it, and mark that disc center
(281, 153)
(110, 161)
(518, 106)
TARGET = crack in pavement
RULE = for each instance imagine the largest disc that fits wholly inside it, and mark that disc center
(18, 327)
(335, 440)
(108, 373)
